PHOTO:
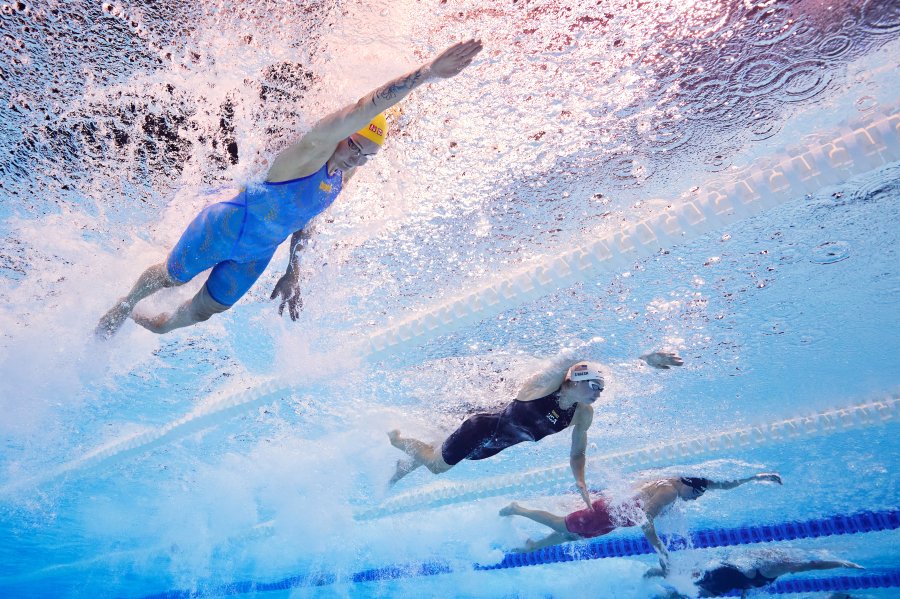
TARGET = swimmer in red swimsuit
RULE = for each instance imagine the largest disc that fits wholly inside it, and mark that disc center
(549, 402)
(649, 501)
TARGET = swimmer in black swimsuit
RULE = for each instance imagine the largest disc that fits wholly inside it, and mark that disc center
(548, 403)
(726, 577)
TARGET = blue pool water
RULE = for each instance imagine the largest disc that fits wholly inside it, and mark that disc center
(125, 474)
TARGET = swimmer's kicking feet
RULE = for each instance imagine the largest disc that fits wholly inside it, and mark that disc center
(237, 238)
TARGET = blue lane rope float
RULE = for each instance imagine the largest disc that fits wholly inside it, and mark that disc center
(851, 149)
(826, 422)
(882, 580)
(859, 522)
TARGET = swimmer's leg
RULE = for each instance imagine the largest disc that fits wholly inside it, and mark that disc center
(404, 467)
(422, 454)
(557, 523)
(228, 282)
(151, 280)
(199, 308)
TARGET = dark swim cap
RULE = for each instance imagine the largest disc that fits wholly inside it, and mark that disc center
(697, 484)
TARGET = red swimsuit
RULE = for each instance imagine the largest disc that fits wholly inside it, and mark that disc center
(600, 521)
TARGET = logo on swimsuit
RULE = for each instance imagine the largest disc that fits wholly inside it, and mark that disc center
(553, 417)
(326, 187)
(376, 130)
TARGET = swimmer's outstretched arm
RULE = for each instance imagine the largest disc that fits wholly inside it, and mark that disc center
(780, 568)
(314, 148)
(771, 477)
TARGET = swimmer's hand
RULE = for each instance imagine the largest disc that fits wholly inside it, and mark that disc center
(582, 488)
(662, 360)
(288, 289)
(771, 477)
(664, 562)
(454, 59)
(853, 565)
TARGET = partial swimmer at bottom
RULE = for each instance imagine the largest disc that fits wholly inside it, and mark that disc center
(753, 571)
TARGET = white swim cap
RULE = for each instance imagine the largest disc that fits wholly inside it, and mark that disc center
(585, 371)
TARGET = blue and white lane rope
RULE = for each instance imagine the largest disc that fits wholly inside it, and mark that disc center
(860, 522)
(850, 150)
(811, 425)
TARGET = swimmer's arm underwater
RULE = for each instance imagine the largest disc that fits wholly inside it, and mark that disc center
(731, 484)
(288, 287)
(312, 150)
(581, 422)
(655, 500)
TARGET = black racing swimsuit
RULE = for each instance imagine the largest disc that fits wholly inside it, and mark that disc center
(483, 435)
(720, 580)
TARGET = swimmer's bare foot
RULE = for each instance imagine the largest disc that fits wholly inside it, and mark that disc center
(156, 324)
(112, 320)
(404, 467)
(511, 510)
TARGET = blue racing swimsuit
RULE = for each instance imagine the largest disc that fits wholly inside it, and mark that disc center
(238, 238)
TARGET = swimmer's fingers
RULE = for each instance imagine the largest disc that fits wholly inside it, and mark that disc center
(294, 306)
(455, 58)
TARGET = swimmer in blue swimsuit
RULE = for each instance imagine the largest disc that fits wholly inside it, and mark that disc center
(548, 403)
(237, 238)
(723, 578)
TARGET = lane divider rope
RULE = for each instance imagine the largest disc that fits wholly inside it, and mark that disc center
(857, 523)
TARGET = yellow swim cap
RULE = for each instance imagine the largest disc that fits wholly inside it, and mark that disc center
(375, 130)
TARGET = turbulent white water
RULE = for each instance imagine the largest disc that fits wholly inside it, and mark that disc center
(121, 119)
